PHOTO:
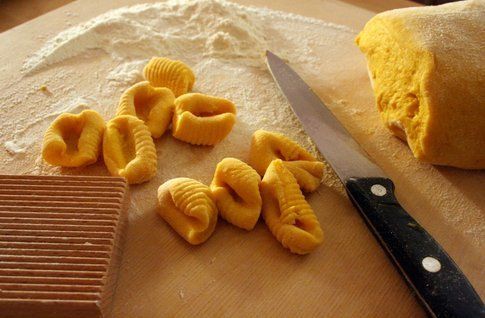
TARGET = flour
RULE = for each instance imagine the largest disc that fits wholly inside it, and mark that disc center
(126, 74)
(179, 29)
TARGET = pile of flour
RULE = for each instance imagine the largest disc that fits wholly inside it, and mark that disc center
(190, 30)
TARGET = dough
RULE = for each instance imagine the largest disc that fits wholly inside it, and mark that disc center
(427, 65)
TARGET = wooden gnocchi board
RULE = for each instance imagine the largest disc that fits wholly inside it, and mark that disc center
(240, 274)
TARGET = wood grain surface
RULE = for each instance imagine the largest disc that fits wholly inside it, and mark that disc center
(241, 274)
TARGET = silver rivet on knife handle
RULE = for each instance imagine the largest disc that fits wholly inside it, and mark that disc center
(379, 190)
(431, 264)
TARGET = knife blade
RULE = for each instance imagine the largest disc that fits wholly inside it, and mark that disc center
(438, 282)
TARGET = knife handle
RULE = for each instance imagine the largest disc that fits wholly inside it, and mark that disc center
(429, 270)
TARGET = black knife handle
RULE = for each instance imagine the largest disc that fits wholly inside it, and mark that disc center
(431, 272)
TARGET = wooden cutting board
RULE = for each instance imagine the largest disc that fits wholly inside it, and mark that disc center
(241, 274)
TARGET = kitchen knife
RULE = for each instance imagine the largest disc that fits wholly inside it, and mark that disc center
(442, 287)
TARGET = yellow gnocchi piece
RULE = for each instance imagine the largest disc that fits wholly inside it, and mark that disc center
(308, 174)
(286, 212)
(267, 146)
(128, 149)
(235, 188)
(164, 72)
(74, 140)
(153, 105)
(202, 119)
(188, 207)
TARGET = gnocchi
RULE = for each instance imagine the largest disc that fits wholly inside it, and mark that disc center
(286, 212)
(164, 72)
(74, 140)
(267, 146)
(235, 188)
(202, 119)
(188, 207)
(153, 105)
(128, 149)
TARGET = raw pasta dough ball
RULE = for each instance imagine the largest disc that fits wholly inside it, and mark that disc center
(267, 146)
(286, 212)
(235, 188)
(187, 205)
(74, 140)
(202, 119)
(153, 105)
(128, 149)
(164, 72)
(427, 66)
